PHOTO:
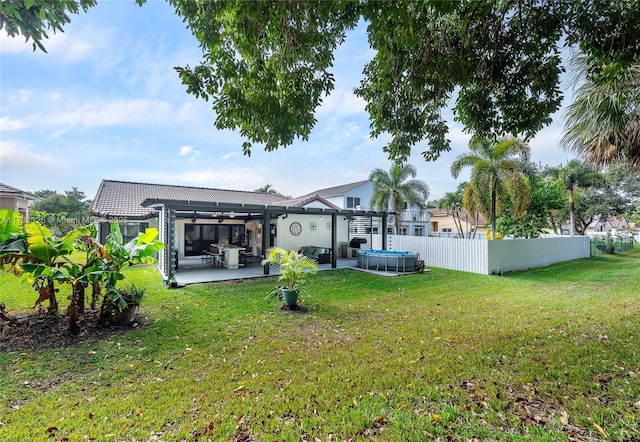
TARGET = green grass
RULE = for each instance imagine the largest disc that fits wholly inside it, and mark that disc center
(545, 354)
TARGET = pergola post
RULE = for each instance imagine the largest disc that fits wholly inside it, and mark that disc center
(266, 232)
(384, 231)
(334, 240)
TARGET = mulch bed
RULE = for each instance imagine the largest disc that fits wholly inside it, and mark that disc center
(38, 330)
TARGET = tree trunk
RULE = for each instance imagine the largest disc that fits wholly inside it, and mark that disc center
(456, 220)
(53, 302)
(80, 297)
(572, 214)
(72, 310)
(96, 291)
(493, 212)
(398, 222)
(553, 223)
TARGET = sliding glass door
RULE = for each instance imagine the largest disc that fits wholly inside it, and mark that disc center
(200, 237)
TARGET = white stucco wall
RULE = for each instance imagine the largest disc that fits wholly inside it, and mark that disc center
(320, 237)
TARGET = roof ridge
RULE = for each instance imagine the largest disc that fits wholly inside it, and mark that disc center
(188, 187)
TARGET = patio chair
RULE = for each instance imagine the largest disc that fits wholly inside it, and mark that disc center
(246, 256)
(217, 256)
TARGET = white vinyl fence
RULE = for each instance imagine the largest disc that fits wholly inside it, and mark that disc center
(488, 257)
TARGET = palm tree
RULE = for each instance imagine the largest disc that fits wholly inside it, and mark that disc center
(496, 173)
(268, 188)
(603, 123)
(575, 175)
(454, 202)
(394, 189)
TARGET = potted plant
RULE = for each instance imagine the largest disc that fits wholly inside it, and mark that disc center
(123, 302)
(293, 267)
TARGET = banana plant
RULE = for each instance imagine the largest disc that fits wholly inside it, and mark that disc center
(118, 256)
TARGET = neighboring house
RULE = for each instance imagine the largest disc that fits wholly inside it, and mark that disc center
(191, 219)
(612, 224)
(16, 199)
(445, 223)
(358, 195)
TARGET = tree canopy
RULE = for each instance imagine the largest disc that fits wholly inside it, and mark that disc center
(62, 213)
(603, 122)
(33, 18)
(267, 65)
(497, 175)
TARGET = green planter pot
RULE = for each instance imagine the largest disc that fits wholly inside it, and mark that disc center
(290, 297)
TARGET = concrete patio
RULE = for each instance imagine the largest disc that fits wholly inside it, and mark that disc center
(194, 270)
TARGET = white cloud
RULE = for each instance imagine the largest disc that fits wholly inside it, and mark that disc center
(185, 150)
(230, 155)
(235, 178)
(103, 113)
(15, 156)
(340, 104)
(59, 46)
(9, 124)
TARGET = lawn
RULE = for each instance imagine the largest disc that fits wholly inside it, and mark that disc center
(546, 354)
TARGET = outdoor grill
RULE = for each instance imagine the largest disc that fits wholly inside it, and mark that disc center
(356, 242)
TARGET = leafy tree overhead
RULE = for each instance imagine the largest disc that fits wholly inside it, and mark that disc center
(267, 66)
(33, 18)
(497, 173)
(603, 122)
(396, 189)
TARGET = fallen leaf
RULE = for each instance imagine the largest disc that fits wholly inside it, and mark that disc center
(600, 430)
(564, 418)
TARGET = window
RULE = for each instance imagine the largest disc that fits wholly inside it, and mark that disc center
(131, 230)
(403, 231)
(352, 202)
(446, 229)
(418, 231)
(375, 230)
(434, 226)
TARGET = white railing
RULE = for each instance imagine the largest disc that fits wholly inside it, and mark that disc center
(414, 215)
(488, 257)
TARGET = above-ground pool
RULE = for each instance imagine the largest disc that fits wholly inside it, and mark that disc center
(388, 260)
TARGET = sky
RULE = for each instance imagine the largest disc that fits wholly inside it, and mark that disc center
(106, 103)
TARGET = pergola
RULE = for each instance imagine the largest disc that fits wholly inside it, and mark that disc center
(168, 210)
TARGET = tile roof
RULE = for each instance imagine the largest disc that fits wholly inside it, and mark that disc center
(306, 199)
(337, 190)
(7, 190)
(123, 198)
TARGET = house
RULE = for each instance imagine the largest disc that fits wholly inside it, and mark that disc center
(16, 199)
(191, 219)
(357, 195)
(456, 223)
(611, 224)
